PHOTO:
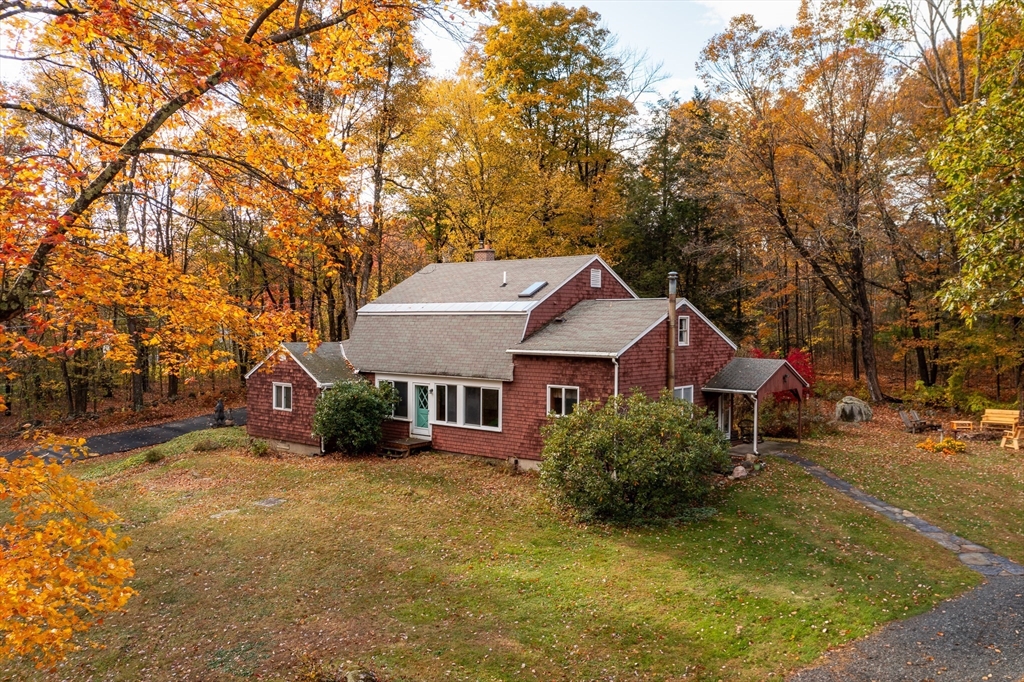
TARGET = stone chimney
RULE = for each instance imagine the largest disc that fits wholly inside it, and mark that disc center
(484, 252)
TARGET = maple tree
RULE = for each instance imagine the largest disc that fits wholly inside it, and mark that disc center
(117, 91)
(143, 141)
(61, 562)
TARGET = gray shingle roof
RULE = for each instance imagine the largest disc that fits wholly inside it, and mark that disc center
(478, 282)
(326, 364)
(596, 327)
(746, 375)
(437, 345)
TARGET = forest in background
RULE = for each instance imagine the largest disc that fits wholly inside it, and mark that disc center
(175, 198)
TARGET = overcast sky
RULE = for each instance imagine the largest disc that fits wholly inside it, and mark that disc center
(672, 32)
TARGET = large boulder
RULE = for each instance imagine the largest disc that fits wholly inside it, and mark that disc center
(851, 409)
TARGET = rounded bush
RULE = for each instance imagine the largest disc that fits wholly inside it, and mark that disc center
(154, 455)
(632, 459)
(349, 415)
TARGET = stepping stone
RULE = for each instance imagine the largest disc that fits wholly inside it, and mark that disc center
(226, 512)
(270, 502)
(974, 559)
(944, 540)
(971, 547)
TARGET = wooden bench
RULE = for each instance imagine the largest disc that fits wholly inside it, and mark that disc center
(1000, 419)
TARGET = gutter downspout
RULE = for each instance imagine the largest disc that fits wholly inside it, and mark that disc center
(615, 361)
(670, 377)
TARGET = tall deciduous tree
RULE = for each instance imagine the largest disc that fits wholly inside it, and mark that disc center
(815, 133)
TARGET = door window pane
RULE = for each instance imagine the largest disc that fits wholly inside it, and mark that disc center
(473, 405)
(490, 407)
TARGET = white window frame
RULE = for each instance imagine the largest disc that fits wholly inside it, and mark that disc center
(408, 399)
(679, 330)
(682, 393)
(462, 407)
(595, 278)
(461, 383)
(562, 388)
(291, 395)
(443, 419)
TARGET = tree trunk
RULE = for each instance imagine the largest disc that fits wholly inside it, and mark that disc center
(922, 357)
(135, 328)
(331, 305)
(854, 343)
(172, 385)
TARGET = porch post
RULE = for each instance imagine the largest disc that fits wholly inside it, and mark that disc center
(755, 423)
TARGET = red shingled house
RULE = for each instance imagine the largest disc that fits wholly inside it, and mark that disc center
(482, 353)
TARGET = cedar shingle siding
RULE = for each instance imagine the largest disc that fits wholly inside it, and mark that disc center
(463, 336)
(644, 365)
(264, 421)
(572, 292)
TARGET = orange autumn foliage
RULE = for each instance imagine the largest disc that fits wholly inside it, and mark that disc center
(60, 561)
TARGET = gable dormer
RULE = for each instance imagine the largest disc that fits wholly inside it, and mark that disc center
(595, 280)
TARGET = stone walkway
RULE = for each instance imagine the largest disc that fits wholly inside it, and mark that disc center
(975, 557)
(977, 637)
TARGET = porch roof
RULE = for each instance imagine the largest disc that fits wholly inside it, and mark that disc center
(750, 375)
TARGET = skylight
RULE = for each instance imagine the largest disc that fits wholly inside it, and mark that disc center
(532, 289)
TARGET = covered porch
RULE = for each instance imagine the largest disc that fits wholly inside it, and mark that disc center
(754, 379)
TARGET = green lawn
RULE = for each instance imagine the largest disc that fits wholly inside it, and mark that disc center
(978, 495)
(442, 568)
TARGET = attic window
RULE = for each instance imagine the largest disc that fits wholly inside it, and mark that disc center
(595, 278)
(532, 289)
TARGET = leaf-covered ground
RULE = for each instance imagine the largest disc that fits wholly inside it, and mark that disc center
(978, 495)
(442, 568)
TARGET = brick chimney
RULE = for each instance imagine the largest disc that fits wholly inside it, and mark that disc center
(484, 252)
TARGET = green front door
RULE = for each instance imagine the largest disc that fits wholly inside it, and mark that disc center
(422, 401)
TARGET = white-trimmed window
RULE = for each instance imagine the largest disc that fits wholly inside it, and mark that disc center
(595, 278)
(684, 393)
(562, 400)
(481, 407)
(283, 397)
(446, 408)
(402, 388)
(683, 330)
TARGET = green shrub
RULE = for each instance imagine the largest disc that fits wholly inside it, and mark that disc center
(349, 415)
(154, 455)
(259, 447)
(632, 459)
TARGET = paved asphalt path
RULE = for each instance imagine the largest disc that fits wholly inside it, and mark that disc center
(143, 437)
(977, 636)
